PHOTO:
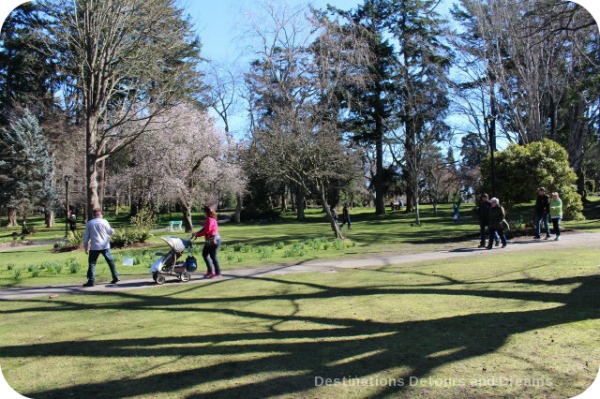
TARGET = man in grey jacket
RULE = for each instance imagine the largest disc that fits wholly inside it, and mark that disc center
(96, 241)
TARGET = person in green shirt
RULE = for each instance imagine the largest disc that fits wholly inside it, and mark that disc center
(556, 214)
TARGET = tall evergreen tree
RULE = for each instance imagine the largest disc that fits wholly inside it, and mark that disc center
(371, 112)
(26, 167)
(424, 62)
(27, 76)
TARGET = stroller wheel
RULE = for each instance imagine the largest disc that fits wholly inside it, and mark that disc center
(159, 278)
(185, 276)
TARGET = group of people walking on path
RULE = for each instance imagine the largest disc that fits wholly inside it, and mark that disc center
(492, 224)
(492, 218)
(96, 242)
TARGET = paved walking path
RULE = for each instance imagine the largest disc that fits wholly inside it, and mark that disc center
(319, 265)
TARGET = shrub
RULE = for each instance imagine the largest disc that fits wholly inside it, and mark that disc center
(547, 165)
(73, 266)
(265, 252)
(75, 238)
(339, 244)
(144, 219)
(17, 273)
(34, 270)
(127, 237)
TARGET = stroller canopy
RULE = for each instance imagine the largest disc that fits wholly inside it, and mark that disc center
(177, 244)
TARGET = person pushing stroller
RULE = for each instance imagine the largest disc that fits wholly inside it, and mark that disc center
(210, 232)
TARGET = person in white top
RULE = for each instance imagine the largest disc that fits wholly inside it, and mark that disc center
(96, 241)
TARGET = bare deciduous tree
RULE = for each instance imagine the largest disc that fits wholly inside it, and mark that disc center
(126, 61)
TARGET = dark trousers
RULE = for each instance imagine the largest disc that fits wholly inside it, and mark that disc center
(483, 235)
(209, 254)
(345, 219)
(495, 233)
(556, 226)
(93, 258)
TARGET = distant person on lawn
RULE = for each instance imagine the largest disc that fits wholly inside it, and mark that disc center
(484, 220)
(542, 211)
(96, 241)
(556, 214)
(497, 223)
(346, 216)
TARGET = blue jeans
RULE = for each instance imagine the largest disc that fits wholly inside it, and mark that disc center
(539, 218)
(93, 257)
(209, 253)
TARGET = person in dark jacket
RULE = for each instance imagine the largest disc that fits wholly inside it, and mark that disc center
(497, 222)
(484, 219)
(346, 216)
(542, 212)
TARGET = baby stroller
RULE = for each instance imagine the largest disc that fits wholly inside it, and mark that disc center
(168, 265)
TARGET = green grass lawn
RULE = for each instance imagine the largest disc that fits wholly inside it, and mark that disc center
(517, 325)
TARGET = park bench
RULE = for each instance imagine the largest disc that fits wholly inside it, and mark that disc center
(174, 225)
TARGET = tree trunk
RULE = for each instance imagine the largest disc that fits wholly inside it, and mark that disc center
(337, 233)
(91, 165)
(49, 217)
(187, 218)
(300, 205)
(379, 194)
(116, 203)
(237, 217)
(416, 198)
(12, 217)
(101, 182)
(284, 206)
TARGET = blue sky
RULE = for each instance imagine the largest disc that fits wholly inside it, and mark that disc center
(220, 24)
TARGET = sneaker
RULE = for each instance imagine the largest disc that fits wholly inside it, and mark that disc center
(547, 237)
(497, 243)
(503, 245)
(89, 284)
(557, 238)
(488, 247)
(208, 275)
(537, 237)
(216, 276)
(115, 280)
(481, 246)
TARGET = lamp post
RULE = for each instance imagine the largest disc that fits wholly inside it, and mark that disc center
(491, 124)
(67, 180)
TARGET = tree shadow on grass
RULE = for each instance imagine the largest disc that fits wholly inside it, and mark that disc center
(329, 347)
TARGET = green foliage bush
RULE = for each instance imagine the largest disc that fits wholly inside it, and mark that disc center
(17, 273)
(144, 219)
(75, 238)
(126, 237)
(73, 265)
(521, 169)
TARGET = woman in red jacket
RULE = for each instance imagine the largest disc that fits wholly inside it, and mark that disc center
(210, 232)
